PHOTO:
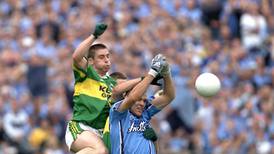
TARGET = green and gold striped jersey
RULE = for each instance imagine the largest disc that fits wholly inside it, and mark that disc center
(91, 97)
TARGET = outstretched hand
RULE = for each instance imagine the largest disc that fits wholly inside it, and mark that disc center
(99, 29)
(157, 64)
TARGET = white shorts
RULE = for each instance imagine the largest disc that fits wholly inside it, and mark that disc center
(75, 128)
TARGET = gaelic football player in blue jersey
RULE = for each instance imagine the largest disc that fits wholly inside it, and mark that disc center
(130, 117)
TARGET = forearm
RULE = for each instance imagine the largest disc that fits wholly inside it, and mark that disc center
(136, 93)
(168, 94)
(139, 90)
(82, 49)
(125, 86)
(169, 89)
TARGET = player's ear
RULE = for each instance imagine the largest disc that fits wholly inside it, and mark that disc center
(91, 61)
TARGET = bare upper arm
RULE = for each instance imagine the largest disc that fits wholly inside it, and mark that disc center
(161, 101)
(82, 63)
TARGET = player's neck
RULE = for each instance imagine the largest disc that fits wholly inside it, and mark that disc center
(101, 74)
(135, 115)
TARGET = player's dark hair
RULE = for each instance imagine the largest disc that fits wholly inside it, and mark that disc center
(118, 75)
(92, 49)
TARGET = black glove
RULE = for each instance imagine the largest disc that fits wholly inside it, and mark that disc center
(150, 134)
(155, 80)
(99, 29)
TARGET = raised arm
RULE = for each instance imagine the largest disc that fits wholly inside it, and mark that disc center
(139, 90)
(168, 91)
(136, 93)
(80, 52)
(123, 87)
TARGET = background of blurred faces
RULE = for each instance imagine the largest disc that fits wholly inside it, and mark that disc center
(232, 38)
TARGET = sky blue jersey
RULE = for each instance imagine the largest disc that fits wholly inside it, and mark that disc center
(126, 131)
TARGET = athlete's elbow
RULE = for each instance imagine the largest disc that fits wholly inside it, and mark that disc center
(172, 93)
(76, 57)
(170, 96)
(115, 95)
(132, 98)
(115, 91)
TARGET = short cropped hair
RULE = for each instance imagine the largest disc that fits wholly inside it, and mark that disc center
(118, 75)
(92, 49)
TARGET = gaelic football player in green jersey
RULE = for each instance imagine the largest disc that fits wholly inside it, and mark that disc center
(92, 91)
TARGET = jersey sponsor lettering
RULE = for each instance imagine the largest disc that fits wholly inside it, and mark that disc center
(106, 92)
(138, 126)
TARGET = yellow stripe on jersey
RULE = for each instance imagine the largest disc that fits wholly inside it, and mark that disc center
(81, 73)
(106, 129)
(73, 130)
(92, 88)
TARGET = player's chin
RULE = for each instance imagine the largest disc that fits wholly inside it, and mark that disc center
(138, 113)
(106, 68)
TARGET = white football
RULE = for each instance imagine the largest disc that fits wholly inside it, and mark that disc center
(207, 84)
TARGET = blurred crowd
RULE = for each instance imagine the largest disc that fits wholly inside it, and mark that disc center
(233, 39)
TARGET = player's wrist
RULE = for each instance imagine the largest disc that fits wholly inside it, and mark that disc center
(165, 74)
(153, 73)
(92, 36)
